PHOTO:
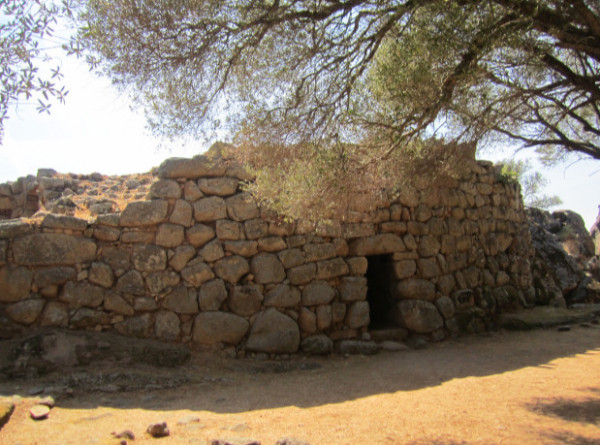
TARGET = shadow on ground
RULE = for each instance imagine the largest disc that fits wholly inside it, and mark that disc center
(213, 383)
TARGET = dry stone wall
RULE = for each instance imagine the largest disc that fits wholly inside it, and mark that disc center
(199, 262)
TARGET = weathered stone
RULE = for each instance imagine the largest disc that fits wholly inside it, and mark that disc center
(418, 316)
(428, 267)
(39, 412)
(397, 227)
(144, 304)
(212, 251)
(358, 230)
(316, 293)
(167, 326)
(316, 252)
(219, 327)
(149, 258)
(358, 314)
(317, 345)
(324, 317)
(137, 326)
(267, 268)
(243, 248)
(181, 257)
(212, 294)
(14, 227)
(210, 209)
(116, 257)
(271, 244)
(283, 296)
(165, 189)
(445, 307)
(194, 168)
(245, 300)
(229, 230)
(131, 282)
(3, 249)
(338, 312)
(197, 274)
(101, 274)
(428, 246)
(331, 268)
(55, 314)
(416, 289)
(404, 269)
(274, 332)
(354, 347)
(256, 228)
(231, 268)
(376, 245)
(307, 320)
(191, 192)
(291, 258)
(106, 233)
(144, 213)
(223, 186)
(15, 283)
(357, 265)
(281, 228)
(82, 294)
(242, 207)
(170, 235)
(199, 235)
(116, 303)
(182, 213)
(181, 300)
(26, 311)
(88, 318)
(302, 274)
(49, 249)
(52, 221)
(156, 282)
(353, 289)
(137, 236)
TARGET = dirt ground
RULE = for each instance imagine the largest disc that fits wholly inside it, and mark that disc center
(532, 387)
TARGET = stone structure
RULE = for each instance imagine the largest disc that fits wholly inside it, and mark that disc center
(199, 262)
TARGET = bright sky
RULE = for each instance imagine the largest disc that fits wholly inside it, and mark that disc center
(96, 131)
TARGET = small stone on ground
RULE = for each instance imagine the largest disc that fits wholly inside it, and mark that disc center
(39, 412)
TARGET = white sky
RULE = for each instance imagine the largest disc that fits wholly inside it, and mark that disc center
(96, 131)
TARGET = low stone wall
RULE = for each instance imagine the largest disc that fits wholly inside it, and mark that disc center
(199, 262)
(19, 199)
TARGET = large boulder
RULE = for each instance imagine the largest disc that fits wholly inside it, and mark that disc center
(48, 249)
(212, 328)
(418, 316)
(274, 332)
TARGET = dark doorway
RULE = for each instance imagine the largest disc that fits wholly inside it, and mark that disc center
(379, 293)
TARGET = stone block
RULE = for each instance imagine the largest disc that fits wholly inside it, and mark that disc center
(197, 273)
(242, 207)
(282, 296)
(167, 326)
(324, 317)
(191, 192)
(52, 221)
(274, 332)
(267, 268)
(316, 293)
(357, 314)
(307, 321)
(53, 275)
(199, 235)
(302, 274)
(404, 269)
(182, 255)
(170, 235)
(15, 283)
(331, 268)
(229, 230)
(131, 282)
(82, 294)
(116, 303)
(144, 304)
(211, 328)
(210, 209)
(418, 316)
(376, 245)
(223, 186)
(149, 258)
(137, 326)
(245, 300)
(212, 251)
(137, 236)
(317, 345)
(428, 267)
(242, 247)
(144, 213)
(317, 252)
(26, 311)
(55, 314)
(14, 227)
(291, 257)
(416, 289)
(88, 318)
(231, 268)
(182, 300)
(353, 289)
(271, 244)
(357, 265)
(428, 246)
(106, 234)
(53, 249)
(196, 167)
(165, 189)
(358, 230)
(212, 294)
(182, 214)
(101, 274)
(156, 282)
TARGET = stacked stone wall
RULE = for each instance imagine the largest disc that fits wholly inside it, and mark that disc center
(199, 262)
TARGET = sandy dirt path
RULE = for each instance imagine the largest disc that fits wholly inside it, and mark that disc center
(506, 388)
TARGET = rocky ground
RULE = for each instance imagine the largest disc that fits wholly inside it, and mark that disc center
(540, 386)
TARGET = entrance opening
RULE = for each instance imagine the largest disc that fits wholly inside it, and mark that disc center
(380, 290)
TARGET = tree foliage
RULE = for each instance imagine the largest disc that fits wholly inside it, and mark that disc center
(25, 28)
(532, 183)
